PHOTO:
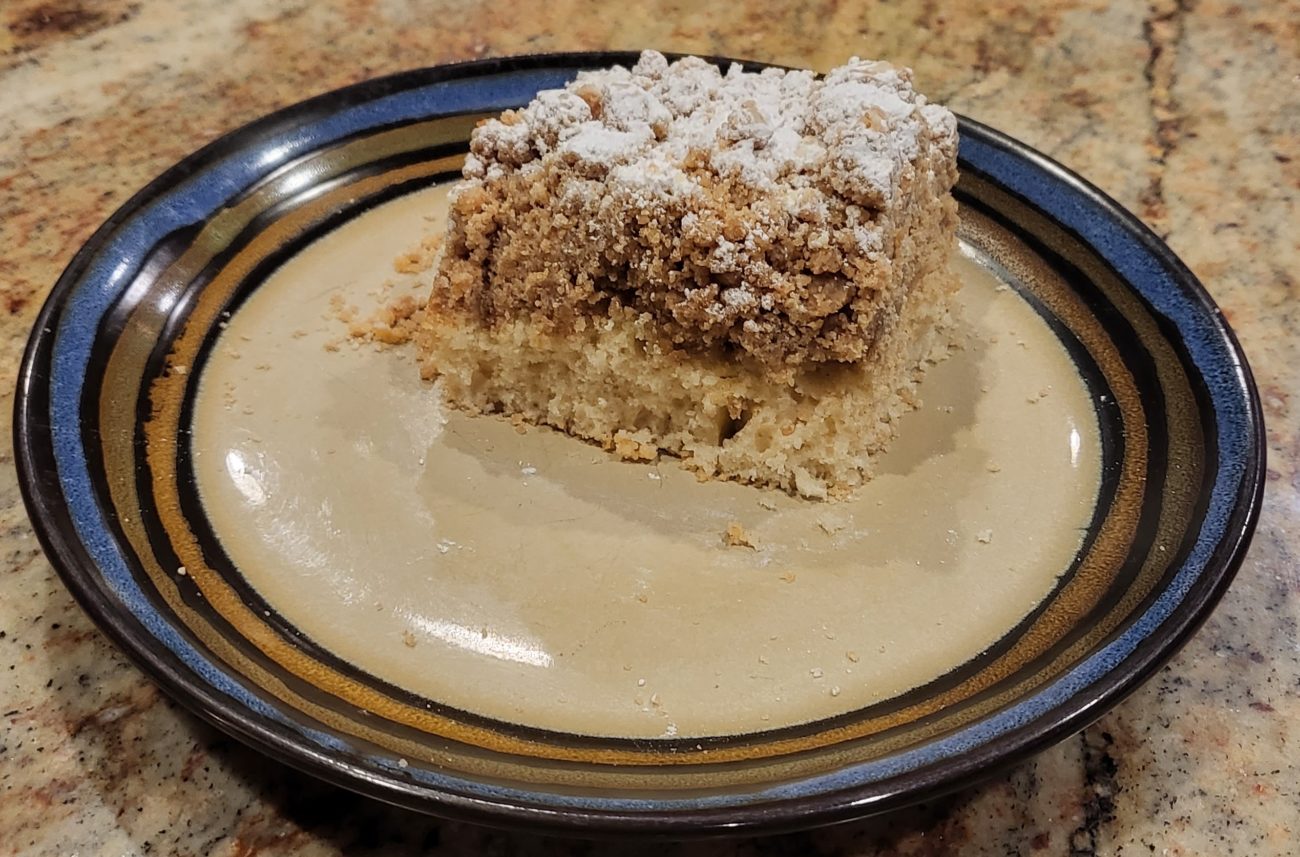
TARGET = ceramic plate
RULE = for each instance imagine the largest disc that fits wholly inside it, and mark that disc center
(283, 527)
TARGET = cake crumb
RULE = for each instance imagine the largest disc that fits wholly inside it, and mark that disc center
(852, 656)
(392, 323)
(816, 672)
(984, 536)
(789, 577)
(736, 537)
(421, 257)
(182, 570)
(341, 309)
(630, 448)
(830, 526)
(408, 639)
(835, 691)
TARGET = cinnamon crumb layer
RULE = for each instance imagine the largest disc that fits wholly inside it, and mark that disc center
(774, 217)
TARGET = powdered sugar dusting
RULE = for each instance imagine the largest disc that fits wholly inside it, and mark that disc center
(849, 134)
(601, 145)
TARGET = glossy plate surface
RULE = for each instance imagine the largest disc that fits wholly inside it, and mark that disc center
(292, 536)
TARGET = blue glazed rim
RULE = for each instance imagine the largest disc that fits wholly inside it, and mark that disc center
(55, 480)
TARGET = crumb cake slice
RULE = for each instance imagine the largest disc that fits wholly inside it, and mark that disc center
(745, 270)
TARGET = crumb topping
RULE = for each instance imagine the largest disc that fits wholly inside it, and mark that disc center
(758, 212)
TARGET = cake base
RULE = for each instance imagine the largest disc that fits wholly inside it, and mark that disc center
(814, 436)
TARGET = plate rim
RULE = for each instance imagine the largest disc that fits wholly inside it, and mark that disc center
(43, 498)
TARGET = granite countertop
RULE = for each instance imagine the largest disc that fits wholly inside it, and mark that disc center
(1186, 111)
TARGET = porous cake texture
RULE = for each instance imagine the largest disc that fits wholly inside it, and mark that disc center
(745, 270)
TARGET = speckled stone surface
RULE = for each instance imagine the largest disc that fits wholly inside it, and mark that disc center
(1186, 111)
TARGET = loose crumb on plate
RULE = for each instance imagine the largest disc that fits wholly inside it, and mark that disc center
(736, 537)
(420, 258)
(629, 447)
(393, 323)
(830, 525)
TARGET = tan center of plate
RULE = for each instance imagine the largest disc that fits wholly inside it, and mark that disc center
(534, 579)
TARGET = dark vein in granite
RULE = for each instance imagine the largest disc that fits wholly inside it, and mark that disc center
(1099, 775)
(1162, 30)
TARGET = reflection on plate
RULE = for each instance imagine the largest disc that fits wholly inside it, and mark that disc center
(450, 614)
